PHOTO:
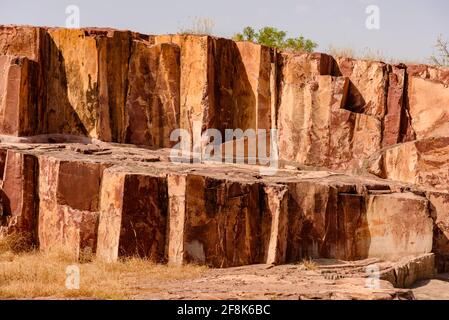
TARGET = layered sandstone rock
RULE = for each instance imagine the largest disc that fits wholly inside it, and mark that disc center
(439, 208)
(18, 95)
(153, 97)
(117, 201)
(422, 162)
(22, 41)
(86, 83)
(397, 126)
(104, 85)
(429, 112)
(69, 199)
(232, 83)
(260, 69)
(220, 221)
(316, 130)
(275, 224)
(399, 224)
(127, 87)
(133, 216)
(368, 85)
(19, 194)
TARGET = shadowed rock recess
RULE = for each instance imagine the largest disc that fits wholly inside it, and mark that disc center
(85, 123)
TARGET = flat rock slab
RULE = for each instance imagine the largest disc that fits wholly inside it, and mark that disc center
(432, 289)
(269, 282)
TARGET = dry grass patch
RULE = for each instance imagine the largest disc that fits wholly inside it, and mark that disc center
(40, 275)
(309, 264)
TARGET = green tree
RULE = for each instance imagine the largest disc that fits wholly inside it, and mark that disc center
(249, 34)
(272, 37)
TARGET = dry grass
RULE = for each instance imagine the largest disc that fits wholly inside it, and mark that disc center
(35, 274)
(200, 26)
(16, 243)
(365, 54)
(309, 264)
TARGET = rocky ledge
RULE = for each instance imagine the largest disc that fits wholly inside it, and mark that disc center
(85, 122)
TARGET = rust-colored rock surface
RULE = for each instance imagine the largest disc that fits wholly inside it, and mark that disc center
(422, 162)
(69, 199)
(19, 194)
(86, 118)
(152, 103)
(221, 221)
(18, 100)
(133, 216)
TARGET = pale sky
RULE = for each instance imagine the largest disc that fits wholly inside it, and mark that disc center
(408, 28)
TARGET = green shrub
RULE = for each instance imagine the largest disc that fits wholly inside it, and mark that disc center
(272, 37)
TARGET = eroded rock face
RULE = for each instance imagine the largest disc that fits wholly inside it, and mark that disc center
(368, 85)
(112, 202)
(121, 86)
(397, 126)
(133, 216)
(69, 194)
(429, 112)
(86, 78)
(259, 66)
(439, 208)
(221, 221)
(19, 195)
(18, 95)
(152, 104)
(422, 162)
(345, 115)
(21, 41)
(315, 126)
(399, 224)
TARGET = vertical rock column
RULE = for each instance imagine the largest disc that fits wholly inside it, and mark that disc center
(313, 221)
(69, 194)
(133, 215)
(152, 103)
(256, 61)
(18, 96)
(275, 223)
(86, 75)
(19, 195)
(213, 222)
(439, 208)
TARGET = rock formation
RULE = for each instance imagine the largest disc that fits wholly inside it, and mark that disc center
(85, 122)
